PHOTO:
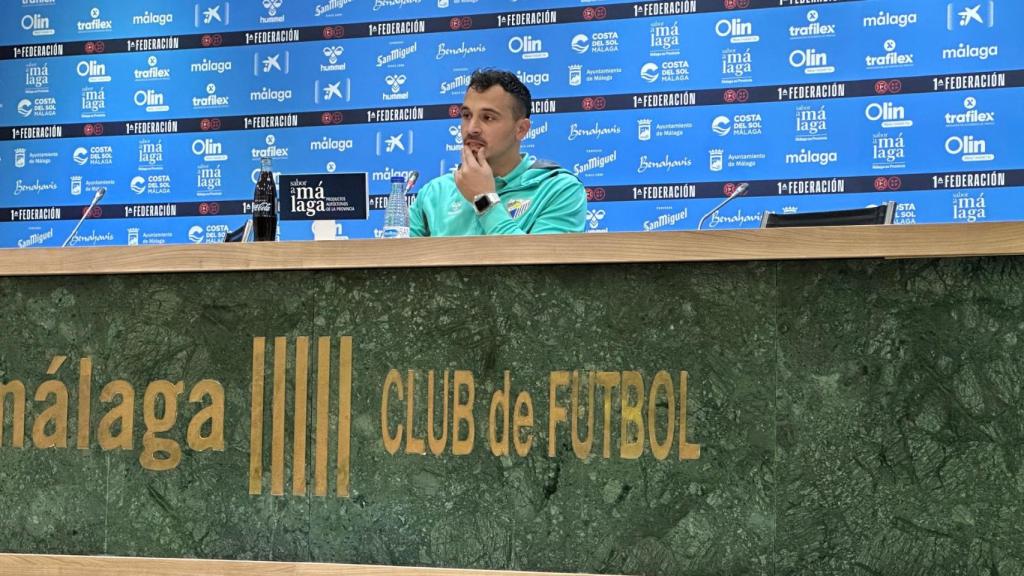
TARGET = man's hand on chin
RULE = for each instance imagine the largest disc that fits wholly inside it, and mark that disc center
(474, 176)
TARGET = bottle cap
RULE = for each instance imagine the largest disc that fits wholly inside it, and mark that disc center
(399, 179)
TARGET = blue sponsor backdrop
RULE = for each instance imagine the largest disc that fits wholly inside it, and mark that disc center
(660, 107)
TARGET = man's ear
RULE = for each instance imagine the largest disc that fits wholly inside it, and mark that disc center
(522, 128)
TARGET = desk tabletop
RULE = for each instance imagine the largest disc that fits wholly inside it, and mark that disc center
(915, 241)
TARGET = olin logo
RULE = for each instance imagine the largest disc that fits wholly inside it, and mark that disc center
(151, 100)
(969, 148)
(528, 47)
(812, 61)
(93, 70)
(737, 31)
(890, 115)
(209, 149)
(38, 24)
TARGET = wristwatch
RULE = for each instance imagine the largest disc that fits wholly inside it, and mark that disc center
(483, 202)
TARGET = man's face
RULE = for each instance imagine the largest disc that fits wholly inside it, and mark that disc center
(489, 123)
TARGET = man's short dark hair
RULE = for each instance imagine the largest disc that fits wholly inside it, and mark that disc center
(484, 78)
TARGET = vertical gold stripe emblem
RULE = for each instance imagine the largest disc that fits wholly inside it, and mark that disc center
(277, 417)
(256, 417)
(299, 445)
(344, 414)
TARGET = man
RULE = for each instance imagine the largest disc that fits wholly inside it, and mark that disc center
(496, 189)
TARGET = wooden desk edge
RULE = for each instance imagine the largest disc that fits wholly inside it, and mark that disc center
(918, 241)
(53, 565)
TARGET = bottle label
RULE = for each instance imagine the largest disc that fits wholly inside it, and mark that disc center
(261, 208)
(396, 231)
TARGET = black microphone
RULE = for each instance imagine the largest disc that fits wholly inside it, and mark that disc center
(739, 191)
(412, 181)
(95, 200)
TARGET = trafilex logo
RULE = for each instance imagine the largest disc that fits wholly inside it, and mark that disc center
(813, 28)
(272, 150)
(152, 71)
(970, 115)
(211, 99)
(95, 23)
(891, 59)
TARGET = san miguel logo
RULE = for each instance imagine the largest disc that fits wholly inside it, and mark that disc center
(300, 400)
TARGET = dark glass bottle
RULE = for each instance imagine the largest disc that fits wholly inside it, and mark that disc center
(264, 204)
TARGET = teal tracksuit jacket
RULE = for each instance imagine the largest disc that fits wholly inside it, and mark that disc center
(537, 197)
